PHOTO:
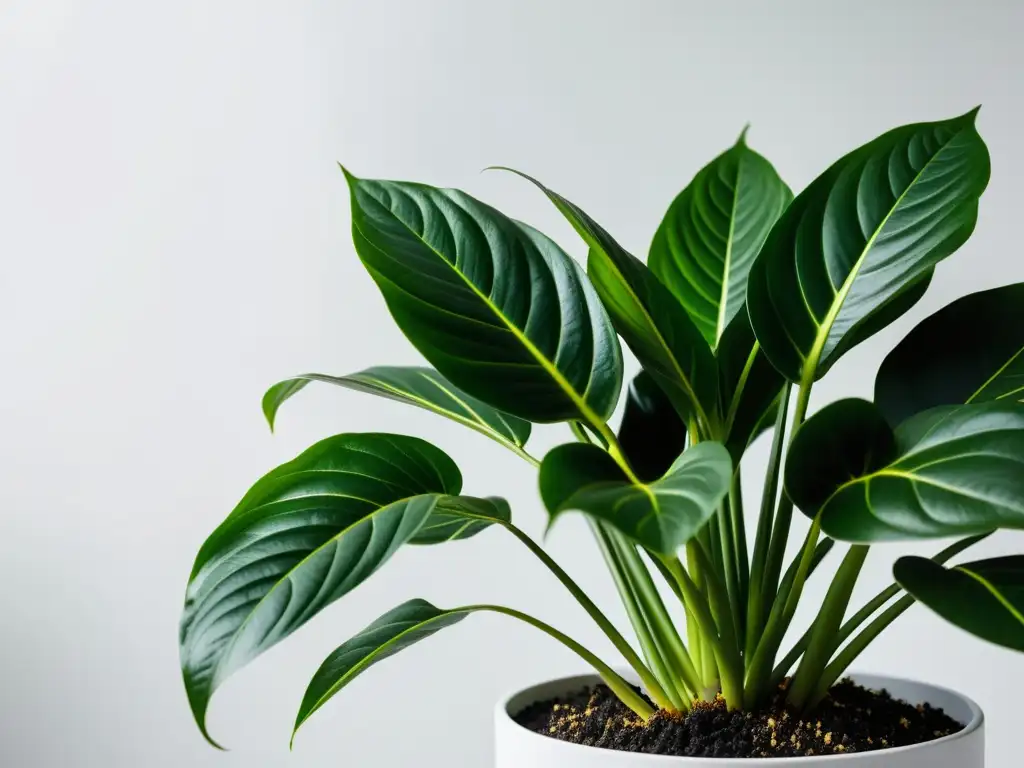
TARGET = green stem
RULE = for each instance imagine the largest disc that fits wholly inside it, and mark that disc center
(867, 610)
(665, 634)
(826, 627)
(606, 626)
(755, 599)
(623, 690)
(739, 545)
(615, 451)
(784, 514)
(760, 669)
(846, 657)
(730, 568)
(731, 673)
(658, 680)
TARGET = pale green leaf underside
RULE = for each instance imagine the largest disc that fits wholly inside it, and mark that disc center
(422, 387)
(661, 515)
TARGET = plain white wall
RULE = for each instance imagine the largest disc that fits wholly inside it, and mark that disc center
(174, 237)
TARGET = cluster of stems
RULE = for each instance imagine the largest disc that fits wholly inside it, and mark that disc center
(738, 605)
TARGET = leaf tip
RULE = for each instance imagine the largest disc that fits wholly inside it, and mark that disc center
(742, 140)
(349, 176)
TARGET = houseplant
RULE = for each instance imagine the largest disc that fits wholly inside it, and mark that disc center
(748, 297)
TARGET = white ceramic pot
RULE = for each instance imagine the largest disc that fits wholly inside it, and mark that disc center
(518, 747)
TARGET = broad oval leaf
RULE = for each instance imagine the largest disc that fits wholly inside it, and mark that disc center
(395, 631)
(863, 232)
(494, 305)
(985, 597)
(422, 387)
(706, 244)
(971, 351)
(847, 438)
(651, 434)
(661, 516)
(750, 387)
(644, 312)
(304, 535)
(959, 470)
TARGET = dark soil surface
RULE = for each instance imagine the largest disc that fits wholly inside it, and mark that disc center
(850, 719)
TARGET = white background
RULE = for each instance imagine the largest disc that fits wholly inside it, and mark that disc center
(174, 237)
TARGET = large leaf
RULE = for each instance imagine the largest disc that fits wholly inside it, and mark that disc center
(395, 631)
(647, 316)
(845, 439)
(971, 351)
(304, 535)
(495, 306)
(958, 470)
(986, 597)
(652, 434)
(706, 244)
(863, 232)
(662, 515)
(749, 384)
(422, 387)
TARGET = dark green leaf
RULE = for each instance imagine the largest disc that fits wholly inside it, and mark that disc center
(959, 470)
(861, 233)
(495, 306)
(395, 631)
(644, 312)
(986, 597)
(652, 435)
(750, 386)
(304, 535)
(661, 516)
(422, 387)
(712, 231)
(971, 351)
(459, 517)
(845, 439)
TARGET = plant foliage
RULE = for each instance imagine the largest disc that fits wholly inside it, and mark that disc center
(748, 297)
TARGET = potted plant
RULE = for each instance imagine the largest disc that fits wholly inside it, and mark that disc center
(748, 297)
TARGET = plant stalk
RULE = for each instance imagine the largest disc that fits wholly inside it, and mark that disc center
(826, 626)
(621, 644)
(659, 686)
(623, 690)
(755, 599)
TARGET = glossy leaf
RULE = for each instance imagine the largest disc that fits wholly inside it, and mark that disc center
(749, 384)
(651, 435)
(863, 232)
(661, 515)
(495, 306)
(959, 470)
(706, 244)
(845, 439)
(460, 517)
(304, 535)
(395, 631)
(971, 351)
(647, 316)
(986, 597)
(422, 387)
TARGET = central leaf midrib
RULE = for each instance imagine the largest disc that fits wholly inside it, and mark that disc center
(811, 362)
(284, 577)
(542, 359)
(724, 294)
(995, 592)
(996, 375)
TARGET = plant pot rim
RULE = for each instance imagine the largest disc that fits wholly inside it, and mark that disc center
(547, 688)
